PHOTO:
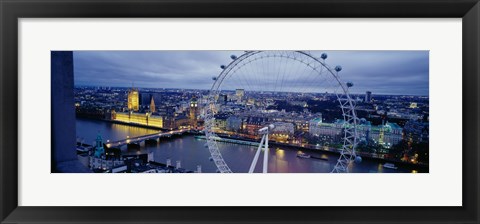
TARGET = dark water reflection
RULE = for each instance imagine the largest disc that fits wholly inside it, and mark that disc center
(192, 152)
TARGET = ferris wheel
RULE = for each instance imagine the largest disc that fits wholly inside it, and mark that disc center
(255, 78)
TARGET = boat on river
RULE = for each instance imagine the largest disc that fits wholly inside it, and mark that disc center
(303, 155)
(390, 166)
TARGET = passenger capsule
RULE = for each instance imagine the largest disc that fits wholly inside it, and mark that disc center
(233, 57)
(358, 159)
(324, 56)
(214, 78)
(349, 84)
(223, 66)
(338, 68)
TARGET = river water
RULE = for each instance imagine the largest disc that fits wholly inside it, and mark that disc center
(191, 152)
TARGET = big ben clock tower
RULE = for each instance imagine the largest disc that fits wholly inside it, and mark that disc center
(193, 112)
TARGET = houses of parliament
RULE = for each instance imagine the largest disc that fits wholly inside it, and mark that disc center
(150, 117)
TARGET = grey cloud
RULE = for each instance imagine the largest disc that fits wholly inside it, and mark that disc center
(386, 72)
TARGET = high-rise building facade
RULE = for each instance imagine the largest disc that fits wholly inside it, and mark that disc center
(368, 97)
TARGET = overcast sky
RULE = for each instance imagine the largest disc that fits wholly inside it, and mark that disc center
(382, 72)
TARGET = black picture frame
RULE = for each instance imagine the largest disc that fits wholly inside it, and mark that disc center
(12, 10)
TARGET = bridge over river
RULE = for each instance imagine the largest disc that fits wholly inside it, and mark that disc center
(139, 139)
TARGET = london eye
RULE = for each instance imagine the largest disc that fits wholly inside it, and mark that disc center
(288, 75)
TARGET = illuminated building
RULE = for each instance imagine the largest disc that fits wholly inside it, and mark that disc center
(221, 121)
(387, 135)
(253, 124)
(368, 97)
(413, 105)
(282, 132)
(318, 128)
(133, 100)
(147, 119)
(251, 102)
(381, 136)
(152, 104)
(104, 164)
(182, 122)
(300, 123)
(239, 93)
(193, 112)
(234, 123)
(176, 122)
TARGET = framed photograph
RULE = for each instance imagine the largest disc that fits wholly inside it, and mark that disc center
(224, 111)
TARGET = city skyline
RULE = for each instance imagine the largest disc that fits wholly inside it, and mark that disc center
(381, 72)
(391, 128)
(318, 111)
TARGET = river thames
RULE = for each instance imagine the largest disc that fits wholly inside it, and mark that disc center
(192, 152)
